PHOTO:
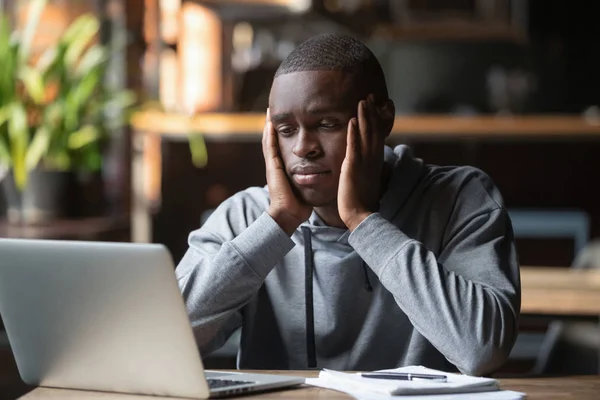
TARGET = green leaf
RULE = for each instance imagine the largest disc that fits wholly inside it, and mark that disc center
(91, 159)
(51, 63)
(198, 150)
(121, 100)
(78, 36)
(93, 58)
(7, 73)
(47, 60)
(36, 7)
(5, 112)
(4, 35)
(54, 114)
(59, 161)
(38, 147)
(33, 82)
(86, 135)
(4, 153)
(80, 94)
(19, 139)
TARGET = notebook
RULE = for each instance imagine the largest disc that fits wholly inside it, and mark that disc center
(456, 386)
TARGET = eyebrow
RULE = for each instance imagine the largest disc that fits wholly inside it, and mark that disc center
(313, 111)
(325, 110)
(280, 117)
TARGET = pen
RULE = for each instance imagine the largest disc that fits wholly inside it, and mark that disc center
(404, 376)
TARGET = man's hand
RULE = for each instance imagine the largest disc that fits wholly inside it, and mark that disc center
(360, 178)
(286, 208)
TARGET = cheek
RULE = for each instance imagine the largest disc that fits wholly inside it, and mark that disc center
(337, 153)
(285, 150)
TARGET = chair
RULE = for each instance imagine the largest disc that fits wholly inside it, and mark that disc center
(538, 223)
(575, 346)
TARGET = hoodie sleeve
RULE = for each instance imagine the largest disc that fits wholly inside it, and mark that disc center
(225, 265)
(466, 301)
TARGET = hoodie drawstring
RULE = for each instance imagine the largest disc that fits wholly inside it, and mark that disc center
(311, 358)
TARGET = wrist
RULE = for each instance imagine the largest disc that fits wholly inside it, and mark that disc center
(354, 220)
(286, 221)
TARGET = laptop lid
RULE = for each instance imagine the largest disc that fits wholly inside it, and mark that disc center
(98, 316)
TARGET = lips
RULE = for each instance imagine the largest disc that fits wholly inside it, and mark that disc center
(309, 175)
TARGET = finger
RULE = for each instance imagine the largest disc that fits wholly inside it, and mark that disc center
(269, 142)
(273, 148)
(265, 134)
(373, 115)
(375, 136)
(351, 141)
(363, 125)
(378, 137)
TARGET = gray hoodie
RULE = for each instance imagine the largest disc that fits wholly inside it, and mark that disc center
(431, 279)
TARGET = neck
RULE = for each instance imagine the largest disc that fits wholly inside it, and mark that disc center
(330, 215)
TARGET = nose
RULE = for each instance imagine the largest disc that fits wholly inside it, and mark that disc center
(307, 145)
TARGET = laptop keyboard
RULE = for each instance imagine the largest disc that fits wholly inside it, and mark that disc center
(221, 383)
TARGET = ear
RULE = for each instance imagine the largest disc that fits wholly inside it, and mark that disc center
(387, 113)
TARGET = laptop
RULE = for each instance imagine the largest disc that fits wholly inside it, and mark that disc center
(107, 317)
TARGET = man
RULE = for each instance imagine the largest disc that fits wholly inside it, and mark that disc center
(355, 256)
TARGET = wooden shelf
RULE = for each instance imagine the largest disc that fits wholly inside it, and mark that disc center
(221, 126)
(249, 9)
(276, 3)
(440, 31)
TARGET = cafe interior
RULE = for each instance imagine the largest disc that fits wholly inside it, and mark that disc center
(176, 93)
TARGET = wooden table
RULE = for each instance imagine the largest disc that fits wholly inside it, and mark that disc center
(580, 387)
(560, 291)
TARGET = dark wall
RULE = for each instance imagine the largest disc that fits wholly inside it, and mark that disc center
(441, 77)
(188, 191)
(565, 41)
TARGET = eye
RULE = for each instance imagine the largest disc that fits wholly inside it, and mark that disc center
(330, 125)
(285, 131)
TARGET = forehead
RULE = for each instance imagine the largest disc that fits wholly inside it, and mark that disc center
(306, 89)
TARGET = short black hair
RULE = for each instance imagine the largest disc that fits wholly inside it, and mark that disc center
(338, 52)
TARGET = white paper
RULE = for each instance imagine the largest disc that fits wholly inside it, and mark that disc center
(457, 386)
(362, 395)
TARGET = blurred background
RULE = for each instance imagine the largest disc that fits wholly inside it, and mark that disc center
(130, 120)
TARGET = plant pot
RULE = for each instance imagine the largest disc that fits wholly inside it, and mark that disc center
(88, 196)
(45, 197)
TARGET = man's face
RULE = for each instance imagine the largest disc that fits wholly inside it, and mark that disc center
(310, 111)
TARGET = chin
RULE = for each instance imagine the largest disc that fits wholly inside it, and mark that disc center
(317, 199)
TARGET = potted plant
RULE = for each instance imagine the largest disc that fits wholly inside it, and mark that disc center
(56, 116)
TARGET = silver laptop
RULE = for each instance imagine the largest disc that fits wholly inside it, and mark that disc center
(107, 317)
